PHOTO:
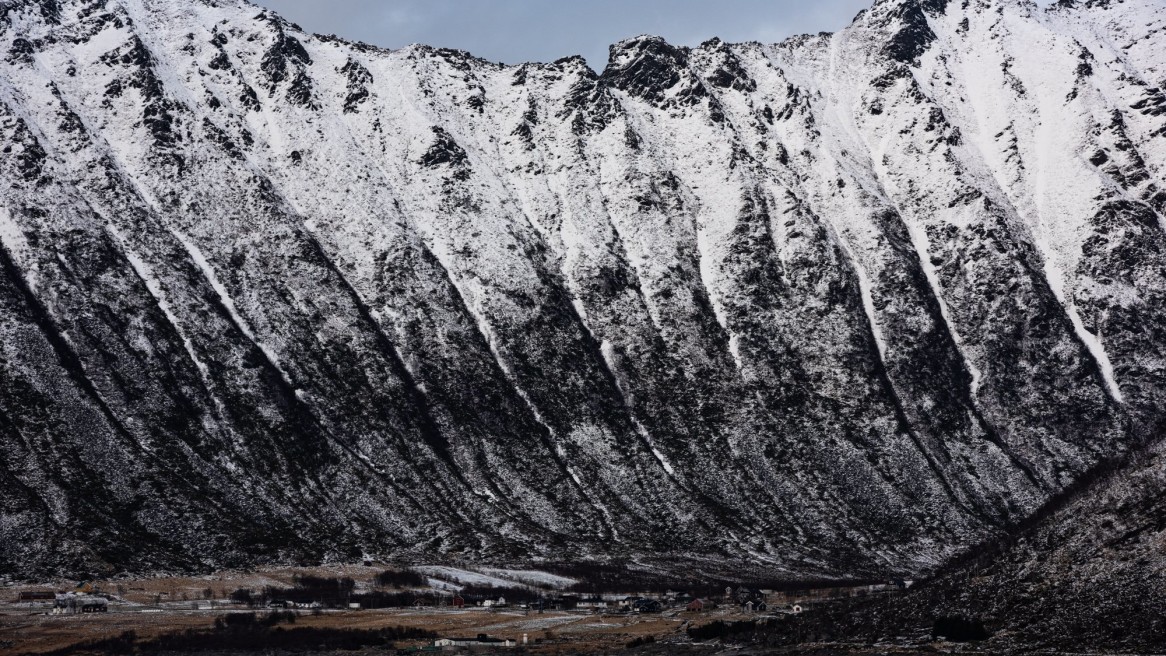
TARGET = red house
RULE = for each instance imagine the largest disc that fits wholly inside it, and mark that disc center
(696, 605)
(458, 602)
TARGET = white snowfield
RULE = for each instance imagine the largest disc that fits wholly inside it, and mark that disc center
(495, 578)
(843, 304)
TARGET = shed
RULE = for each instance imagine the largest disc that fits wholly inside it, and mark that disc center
(696, 605)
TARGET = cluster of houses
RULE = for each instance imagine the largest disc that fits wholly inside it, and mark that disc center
(302, 605)
(749, 600)
(745, 599)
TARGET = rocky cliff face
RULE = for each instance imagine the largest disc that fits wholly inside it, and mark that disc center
(840, 305)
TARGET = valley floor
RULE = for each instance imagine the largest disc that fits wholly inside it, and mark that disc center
(191, 615)
(160, 608)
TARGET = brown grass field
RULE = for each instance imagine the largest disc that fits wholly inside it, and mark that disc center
(548, 633)
(151, 607)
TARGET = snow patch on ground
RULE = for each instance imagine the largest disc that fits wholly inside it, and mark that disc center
(532, 577)
(462, 577)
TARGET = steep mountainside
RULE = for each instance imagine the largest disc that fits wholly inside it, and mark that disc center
(840, 305)
(1091, 574)
(1086, 576)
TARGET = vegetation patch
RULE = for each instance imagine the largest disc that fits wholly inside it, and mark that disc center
(247, 633)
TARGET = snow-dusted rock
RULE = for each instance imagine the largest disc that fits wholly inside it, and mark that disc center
(843, 304)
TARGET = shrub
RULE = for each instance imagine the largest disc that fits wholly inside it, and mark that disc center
(279, 617)
(959, 629)
(400, 579)
(328, 591)
(720, 629)
(641, 641)
(235, 621)
(243, 596)
(377, 599)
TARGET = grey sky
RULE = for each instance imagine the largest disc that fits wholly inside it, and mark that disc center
(514, 31)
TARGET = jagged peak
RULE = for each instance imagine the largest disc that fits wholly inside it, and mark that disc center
(624, 50)
(934, 7)
(907, 23)
(645, 66)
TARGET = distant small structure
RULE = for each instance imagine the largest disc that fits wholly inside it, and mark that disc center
(482, 641)
(696, 606)
(648, 606)
(308, 605)
(36, 595)
(459, 601)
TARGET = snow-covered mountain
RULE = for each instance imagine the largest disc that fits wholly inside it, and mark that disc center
(840, 305)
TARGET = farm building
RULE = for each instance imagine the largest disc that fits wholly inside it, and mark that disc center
(482, 641)
(71, 602)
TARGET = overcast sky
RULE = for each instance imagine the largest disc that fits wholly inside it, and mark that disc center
(515, 31)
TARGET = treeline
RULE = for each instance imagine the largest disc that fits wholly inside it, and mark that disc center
(334, 591)
(603, 578)
(472, 595)
(392, 578)
(306, 589)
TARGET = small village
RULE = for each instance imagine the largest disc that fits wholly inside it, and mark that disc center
(440, 608)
